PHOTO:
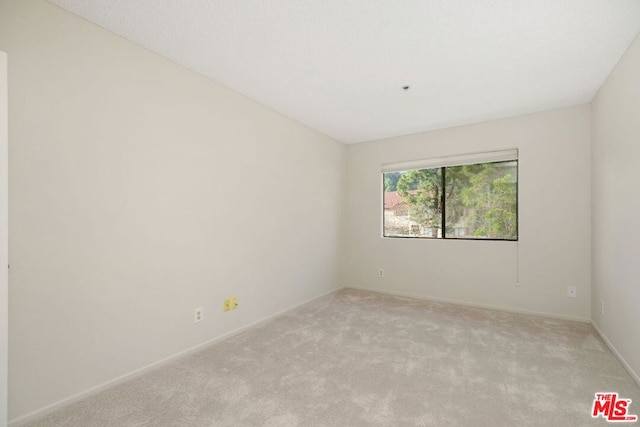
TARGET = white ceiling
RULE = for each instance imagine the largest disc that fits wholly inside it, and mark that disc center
(338, 66)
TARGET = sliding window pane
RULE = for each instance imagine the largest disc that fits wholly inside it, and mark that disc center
(413, 203)
(482, 201)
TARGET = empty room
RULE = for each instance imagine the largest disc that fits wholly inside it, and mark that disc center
(319, 213)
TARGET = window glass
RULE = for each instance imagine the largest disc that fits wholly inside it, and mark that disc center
(475, 201)
(413, 203)
(481, 201)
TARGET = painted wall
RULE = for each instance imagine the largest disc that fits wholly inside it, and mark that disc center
(554, 213)
(139, 191)
(616, 208)
(4, 259)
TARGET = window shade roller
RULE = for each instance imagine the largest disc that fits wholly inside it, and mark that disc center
(459, 160)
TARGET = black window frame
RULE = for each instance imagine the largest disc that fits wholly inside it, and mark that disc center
(443, 204)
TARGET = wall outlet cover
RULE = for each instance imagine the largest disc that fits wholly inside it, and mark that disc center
(197, 315)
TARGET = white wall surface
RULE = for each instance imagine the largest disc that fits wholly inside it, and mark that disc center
(139, 191)
(554, 215)
(616, 208)
(4, 290)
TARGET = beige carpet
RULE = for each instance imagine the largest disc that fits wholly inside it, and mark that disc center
(358, 359)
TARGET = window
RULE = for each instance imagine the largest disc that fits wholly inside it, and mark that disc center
(460, 198)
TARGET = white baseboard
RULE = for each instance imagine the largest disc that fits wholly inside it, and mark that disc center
(38, 413)
(472, 304)
(140, 371)
(615, 351)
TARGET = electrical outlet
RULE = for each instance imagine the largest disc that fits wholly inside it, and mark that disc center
(571, 291)
(197, 315)
(233, 303)
(227, 305)
(381, 273)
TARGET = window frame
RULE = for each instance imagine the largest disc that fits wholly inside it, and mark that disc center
(482, 158)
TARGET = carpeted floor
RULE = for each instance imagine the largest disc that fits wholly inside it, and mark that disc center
(357, 359)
